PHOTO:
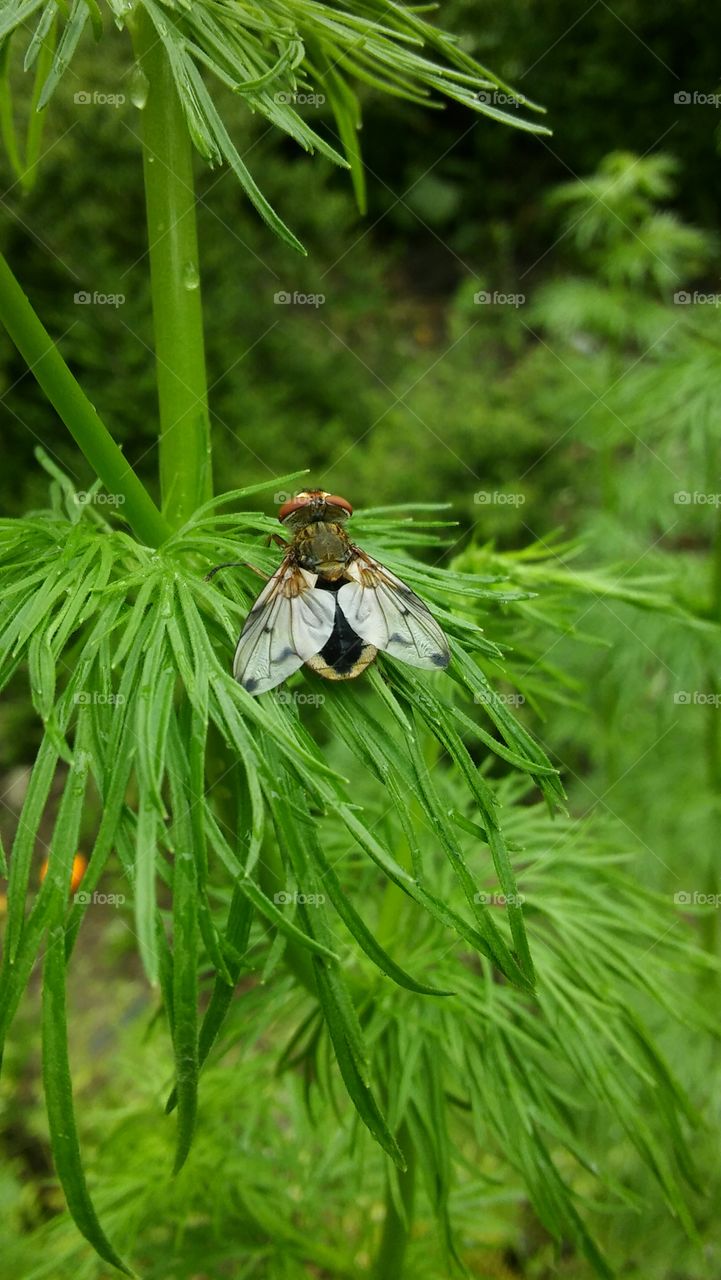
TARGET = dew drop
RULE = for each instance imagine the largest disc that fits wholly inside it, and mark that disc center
(191, 279)
(139, 86)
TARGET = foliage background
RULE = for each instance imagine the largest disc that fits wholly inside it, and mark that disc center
(594, 402)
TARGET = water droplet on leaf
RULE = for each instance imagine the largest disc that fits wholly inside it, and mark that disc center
(191, 279)
(139, 86)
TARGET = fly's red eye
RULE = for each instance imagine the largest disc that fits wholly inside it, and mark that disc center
(334, 501)
(293, 504)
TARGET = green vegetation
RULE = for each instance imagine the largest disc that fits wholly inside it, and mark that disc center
(416, 975)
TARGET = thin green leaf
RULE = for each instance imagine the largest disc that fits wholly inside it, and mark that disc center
(59, 1103)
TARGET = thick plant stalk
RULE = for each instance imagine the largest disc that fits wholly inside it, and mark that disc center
(185, 457)
(72, 405)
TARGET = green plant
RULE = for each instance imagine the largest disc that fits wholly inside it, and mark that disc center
(627, 375)
(262, 819)
(533, 1095)
(218, 809)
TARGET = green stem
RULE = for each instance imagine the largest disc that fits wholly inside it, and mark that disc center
(72, 405)
(7, 117)
(392, 1248)
(185, 456)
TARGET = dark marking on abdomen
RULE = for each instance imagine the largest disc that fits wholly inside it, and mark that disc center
(344, 647)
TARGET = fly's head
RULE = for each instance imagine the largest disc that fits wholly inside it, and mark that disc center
(314, 506)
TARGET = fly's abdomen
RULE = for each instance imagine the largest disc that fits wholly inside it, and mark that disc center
(344, 655)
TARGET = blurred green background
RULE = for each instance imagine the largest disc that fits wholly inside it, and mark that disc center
(580, 418)
(397, 384)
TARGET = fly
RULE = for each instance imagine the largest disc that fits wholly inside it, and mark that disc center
(331, 606)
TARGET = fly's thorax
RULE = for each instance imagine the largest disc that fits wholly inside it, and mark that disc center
(323, 549)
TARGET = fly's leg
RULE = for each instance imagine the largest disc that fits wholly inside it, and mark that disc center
(245, 564)
(236, 564)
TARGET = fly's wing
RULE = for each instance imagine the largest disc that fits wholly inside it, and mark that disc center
(385, 612)
(289, 623)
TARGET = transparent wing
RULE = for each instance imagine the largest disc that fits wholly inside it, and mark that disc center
(289, 623)
(385, 612)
